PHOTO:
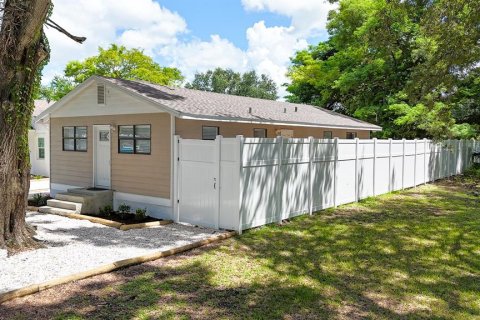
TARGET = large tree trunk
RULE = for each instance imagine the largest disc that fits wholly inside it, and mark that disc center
(23, 52)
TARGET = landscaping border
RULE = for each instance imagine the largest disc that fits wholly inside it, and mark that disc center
(31, 289)
(115, 224)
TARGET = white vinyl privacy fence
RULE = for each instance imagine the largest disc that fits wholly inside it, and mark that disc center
(241, 183)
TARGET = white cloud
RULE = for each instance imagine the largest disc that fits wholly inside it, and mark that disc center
(200, 56)
(147, 25)
(270, 49)
(141, 23)
(307, 16)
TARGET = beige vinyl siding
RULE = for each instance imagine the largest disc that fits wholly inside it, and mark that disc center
(147, 175)
(192, 129)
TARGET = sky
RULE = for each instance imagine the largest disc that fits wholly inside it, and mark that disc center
(192, 35)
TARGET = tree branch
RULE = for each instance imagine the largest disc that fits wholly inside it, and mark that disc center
(54, 25)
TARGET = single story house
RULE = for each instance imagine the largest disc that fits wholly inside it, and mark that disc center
(118, 134)
(38, 141)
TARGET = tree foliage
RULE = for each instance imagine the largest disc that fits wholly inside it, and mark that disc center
(410, 66)
(115, 62)
(228, 81)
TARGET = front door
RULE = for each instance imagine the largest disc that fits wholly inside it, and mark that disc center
(101, 155)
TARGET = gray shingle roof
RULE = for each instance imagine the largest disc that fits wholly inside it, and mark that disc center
(217, 106)
(40, 106)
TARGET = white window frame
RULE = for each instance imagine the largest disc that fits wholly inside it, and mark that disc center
(38, 148)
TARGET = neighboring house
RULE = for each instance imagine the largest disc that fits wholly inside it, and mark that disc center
(38, 141)
(117, 134)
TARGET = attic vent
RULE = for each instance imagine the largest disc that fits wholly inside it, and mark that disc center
(249, 110)
(284, 110)
(296, 109)
(101, 94)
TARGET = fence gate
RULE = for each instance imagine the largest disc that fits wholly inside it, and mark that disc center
(198, 182)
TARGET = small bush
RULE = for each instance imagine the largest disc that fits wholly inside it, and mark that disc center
(140, 214)
(106, 211)
(124, 211)
(40, 200)
(474, 171)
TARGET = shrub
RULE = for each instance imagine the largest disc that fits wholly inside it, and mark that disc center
(40, 200)
(140, 214)
(106, 211)
(124, 211)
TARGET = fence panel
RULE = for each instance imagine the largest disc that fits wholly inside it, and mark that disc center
(266, 180)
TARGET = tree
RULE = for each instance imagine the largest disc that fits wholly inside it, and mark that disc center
(227, 81)
(23, 53)
(114, 62)
(56, 89)
(395, 63)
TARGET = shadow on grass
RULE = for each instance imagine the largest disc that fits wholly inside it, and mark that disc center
(408, 255)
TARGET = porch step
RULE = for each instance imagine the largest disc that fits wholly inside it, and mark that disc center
(58, 211)
(73, 197)
(61, 204)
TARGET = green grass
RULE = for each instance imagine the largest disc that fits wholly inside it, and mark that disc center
(408, 255)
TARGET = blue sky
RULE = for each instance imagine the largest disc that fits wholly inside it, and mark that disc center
(192, 35)
(227, 18)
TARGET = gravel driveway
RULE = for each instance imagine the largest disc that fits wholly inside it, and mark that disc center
(74, 246)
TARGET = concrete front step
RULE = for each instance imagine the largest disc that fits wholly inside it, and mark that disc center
(73, 197)
(61, 204)
(59, 211)
(91, 200)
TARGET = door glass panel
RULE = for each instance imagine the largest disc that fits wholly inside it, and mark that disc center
(104, 135)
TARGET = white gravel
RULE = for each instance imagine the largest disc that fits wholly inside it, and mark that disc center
(74, 246)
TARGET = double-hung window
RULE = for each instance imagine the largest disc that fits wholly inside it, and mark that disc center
(75, 139)
(41, 148)
(134, 139)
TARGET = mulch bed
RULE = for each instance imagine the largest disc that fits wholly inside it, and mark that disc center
(130, 220)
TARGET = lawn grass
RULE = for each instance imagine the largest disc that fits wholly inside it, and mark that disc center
(411, 254)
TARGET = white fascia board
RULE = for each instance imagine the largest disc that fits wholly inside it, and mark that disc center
(293, 124)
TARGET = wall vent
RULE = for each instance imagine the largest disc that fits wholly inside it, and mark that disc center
(101, 94)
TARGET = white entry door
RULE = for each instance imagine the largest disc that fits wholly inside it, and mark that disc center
(101, 155)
